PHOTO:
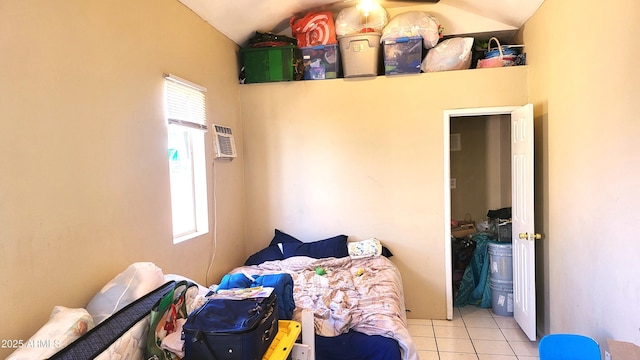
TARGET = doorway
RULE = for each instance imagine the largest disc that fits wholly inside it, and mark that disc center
(523, 234)
(479, 125)
(480, 166)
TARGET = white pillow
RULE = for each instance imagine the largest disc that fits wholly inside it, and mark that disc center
(365, 248)
(64, 326)
(136, 281)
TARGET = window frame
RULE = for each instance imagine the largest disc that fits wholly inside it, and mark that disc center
(185, 113)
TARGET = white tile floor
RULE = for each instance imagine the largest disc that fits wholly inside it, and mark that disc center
(474, 333)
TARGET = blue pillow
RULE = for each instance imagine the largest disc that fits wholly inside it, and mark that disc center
(386, 252)
(332, 247)
(269, 253)
(281, 238)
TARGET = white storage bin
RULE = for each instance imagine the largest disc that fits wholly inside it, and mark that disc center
(360, 54)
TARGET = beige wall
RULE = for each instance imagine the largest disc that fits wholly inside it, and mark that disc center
(363, 158)
(84, 188)
(585, 91)
(84, 183)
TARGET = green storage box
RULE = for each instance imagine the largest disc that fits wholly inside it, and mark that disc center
(268, 64)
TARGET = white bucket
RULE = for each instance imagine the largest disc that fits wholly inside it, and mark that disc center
(501, 297)
(501, 261)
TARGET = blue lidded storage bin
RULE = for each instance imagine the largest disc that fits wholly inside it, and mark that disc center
(402, 55)
(321, 62)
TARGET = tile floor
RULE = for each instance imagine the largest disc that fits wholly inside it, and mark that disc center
(474, 333)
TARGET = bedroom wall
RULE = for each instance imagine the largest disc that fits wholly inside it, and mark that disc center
(84, 184)
(586, 106)
(363, 158)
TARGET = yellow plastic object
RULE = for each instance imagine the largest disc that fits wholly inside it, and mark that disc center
(281, 346)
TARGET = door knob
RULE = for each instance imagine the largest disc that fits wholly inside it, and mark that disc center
(527, 236)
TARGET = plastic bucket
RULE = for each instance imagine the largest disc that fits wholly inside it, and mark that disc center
(501, 297)
(501, 261)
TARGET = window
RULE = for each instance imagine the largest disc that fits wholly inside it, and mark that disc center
(186, 118)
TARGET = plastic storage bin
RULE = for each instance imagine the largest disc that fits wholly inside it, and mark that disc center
(360, 54)
(571, 346)
(321, 62)
(504, 231)
(402, 55)
(269, 64)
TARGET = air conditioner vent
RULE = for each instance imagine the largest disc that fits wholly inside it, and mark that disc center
(225, 145)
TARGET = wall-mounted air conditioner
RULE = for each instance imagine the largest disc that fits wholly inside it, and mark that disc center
(225, 145)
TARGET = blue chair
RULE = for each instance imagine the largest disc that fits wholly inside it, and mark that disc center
(568, 347)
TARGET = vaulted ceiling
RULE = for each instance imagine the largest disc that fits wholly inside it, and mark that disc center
(239, 19)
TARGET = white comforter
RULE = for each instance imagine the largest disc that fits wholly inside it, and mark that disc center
(361, 294)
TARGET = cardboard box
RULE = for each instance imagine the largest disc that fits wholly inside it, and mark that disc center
(621, 350)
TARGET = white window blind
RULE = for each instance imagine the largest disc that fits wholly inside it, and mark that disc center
(185, 103)
(186, 118)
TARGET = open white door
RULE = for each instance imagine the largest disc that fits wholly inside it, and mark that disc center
(522, 197)
(524, 257)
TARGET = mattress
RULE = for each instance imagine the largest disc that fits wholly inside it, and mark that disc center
(349, 298)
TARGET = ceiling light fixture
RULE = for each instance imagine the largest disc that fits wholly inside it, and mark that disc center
(366, 6)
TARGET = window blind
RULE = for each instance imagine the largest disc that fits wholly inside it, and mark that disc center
(185, 103)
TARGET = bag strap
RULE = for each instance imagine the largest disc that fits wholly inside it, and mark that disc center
(176, 296)
(98, 339)
(499, 46)
(163, 304)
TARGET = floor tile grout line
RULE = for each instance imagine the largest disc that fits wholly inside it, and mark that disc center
(498, 327)
(472, 343)
(435, 339)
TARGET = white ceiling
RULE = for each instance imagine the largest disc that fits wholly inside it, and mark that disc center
(239, 19)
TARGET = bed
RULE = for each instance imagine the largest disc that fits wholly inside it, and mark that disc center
(354, 292)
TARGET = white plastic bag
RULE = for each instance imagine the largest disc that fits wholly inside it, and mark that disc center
(65, 325)
(411, 24)
(134, 282)
(351, 21)
(451, 54)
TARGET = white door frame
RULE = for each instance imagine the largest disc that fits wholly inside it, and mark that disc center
(447, 115)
